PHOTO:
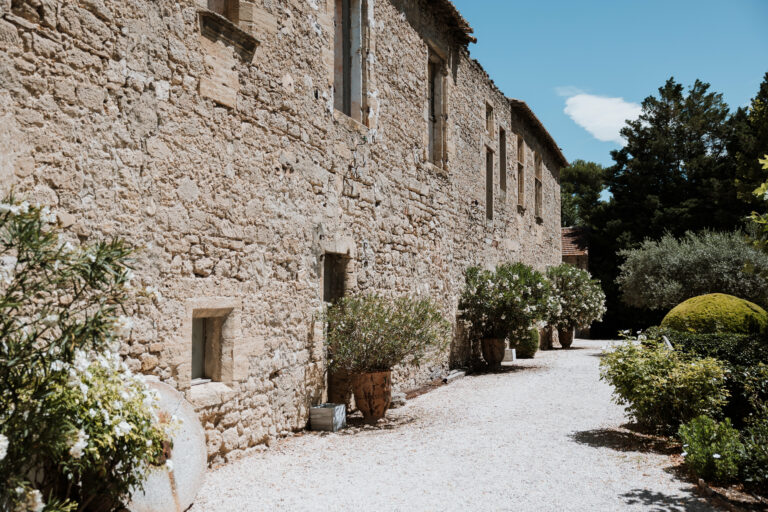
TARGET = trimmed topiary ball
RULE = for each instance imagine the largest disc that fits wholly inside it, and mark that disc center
(715, 313)
(528, 346)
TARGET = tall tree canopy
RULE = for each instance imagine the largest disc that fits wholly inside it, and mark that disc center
(580, 187)
(678, 172)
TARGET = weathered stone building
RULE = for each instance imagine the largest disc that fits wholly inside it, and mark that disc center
(264, 155)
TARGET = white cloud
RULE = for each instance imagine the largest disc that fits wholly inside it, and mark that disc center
(601, 116)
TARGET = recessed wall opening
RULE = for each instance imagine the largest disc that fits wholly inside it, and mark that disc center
(207, 348)
(488, 184)
(348, 58)
(230, 9)
(489, 119)
(436, 120)
(520, 171)
(539, 187)
(503, 162)
(335, 267)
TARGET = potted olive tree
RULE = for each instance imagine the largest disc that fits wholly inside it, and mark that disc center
(369, 335)
(501, 304)
(579, 301)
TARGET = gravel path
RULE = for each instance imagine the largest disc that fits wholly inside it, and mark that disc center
(543, 435)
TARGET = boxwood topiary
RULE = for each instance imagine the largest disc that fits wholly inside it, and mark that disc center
(715, 313)
(528, 346)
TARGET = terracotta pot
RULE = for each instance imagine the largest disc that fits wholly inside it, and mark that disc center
(493, 351)
(566, 337)
(340, 387)
(373, 394)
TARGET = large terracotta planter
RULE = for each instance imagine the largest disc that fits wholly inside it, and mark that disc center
(566, 337)
(373, 394)
(493, 351)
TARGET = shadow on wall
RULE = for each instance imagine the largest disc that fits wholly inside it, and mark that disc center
(660, 502)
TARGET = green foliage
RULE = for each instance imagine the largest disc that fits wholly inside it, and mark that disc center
(674, 175)
(750, 142)
(661, 274)
(579, 299)
(754, 455)
(75, 424)
(717, 312)
(527, 347)
(505, 302)
(712, 449)
(370, 333)
(581, 185)
(663, 388)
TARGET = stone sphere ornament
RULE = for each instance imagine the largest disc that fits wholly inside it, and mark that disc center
(173, 486)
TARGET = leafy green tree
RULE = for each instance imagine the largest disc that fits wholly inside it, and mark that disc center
(659, 275)
(674, 175)
(750, 140)
(581, 185)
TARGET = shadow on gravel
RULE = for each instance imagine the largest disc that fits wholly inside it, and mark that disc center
(624, 441)
(660, 502)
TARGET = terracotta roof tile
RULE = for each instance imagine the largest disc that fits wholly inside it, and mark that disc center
(574, 242)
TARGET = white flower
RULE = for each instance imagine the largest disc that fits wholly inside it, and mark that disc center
(716, 456)
(92, 413)
(685, 454)
(123, 326)
(78, 444)
(35, 501)
(57, 365)
(47, 216)
(3, 446)
(123, 428)
(82, 363)
(84, 389)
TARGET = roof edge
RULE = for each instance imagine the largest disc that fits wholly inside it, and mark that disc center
(522, 107)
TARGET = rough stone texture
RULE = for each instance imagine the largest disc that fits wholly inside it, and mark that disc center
(234, 177)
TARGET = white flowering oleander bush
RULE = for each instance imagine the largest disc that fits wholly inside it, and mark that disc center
(712, 449)
(506, 302)
(78, 431)
(578, 300)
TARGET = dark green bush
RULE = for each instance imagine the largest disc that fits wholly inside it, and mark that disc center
(754, 471)
(661, 274)
(527, 347)
(712, 449)
(744, 356)
(663, 388)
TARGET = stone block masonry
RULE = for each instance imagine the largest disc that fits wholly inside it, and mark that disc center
(215, 146)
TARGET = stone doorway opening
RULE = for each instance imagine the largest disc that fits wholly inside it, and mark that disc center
(335, 286)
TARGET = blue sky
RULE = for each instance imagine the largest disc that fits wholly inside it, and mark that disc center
(600, 58)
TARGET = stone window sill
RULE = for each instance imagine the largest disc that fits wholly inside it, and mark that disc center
(218, 28)
(349, 122)
(436, 169)
(209, 394)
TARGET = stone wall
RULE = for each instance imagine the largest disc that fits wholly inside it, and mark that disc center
(230, 171)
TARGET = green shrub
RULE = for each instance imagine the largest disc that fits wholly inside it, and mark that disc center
(661, 274)
(717, 313)
(754, 469)
(505, 302)
(663, 388)
(712, 449)
(578, 299)
(527, 348)
(373, 334)
(75, 424)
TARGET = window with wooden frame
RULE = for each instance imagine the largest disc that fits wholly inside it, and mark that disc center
(436, 98)
(539, 187)
(520, 172)
(230, 9)
(503, 162)
(348, 58)
(488, 184)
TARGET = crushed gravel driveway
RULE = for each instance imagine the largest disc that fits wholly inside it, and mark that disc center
(541, 435)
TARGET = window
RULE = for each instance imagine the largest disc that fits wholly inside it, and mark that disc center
(334, 277)
(488, 184)
(520, 172)
(436, 109)
(489, 119)
(503, 161)
(206, 349)
(230, 9)
(539, 187)
(348, 59)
